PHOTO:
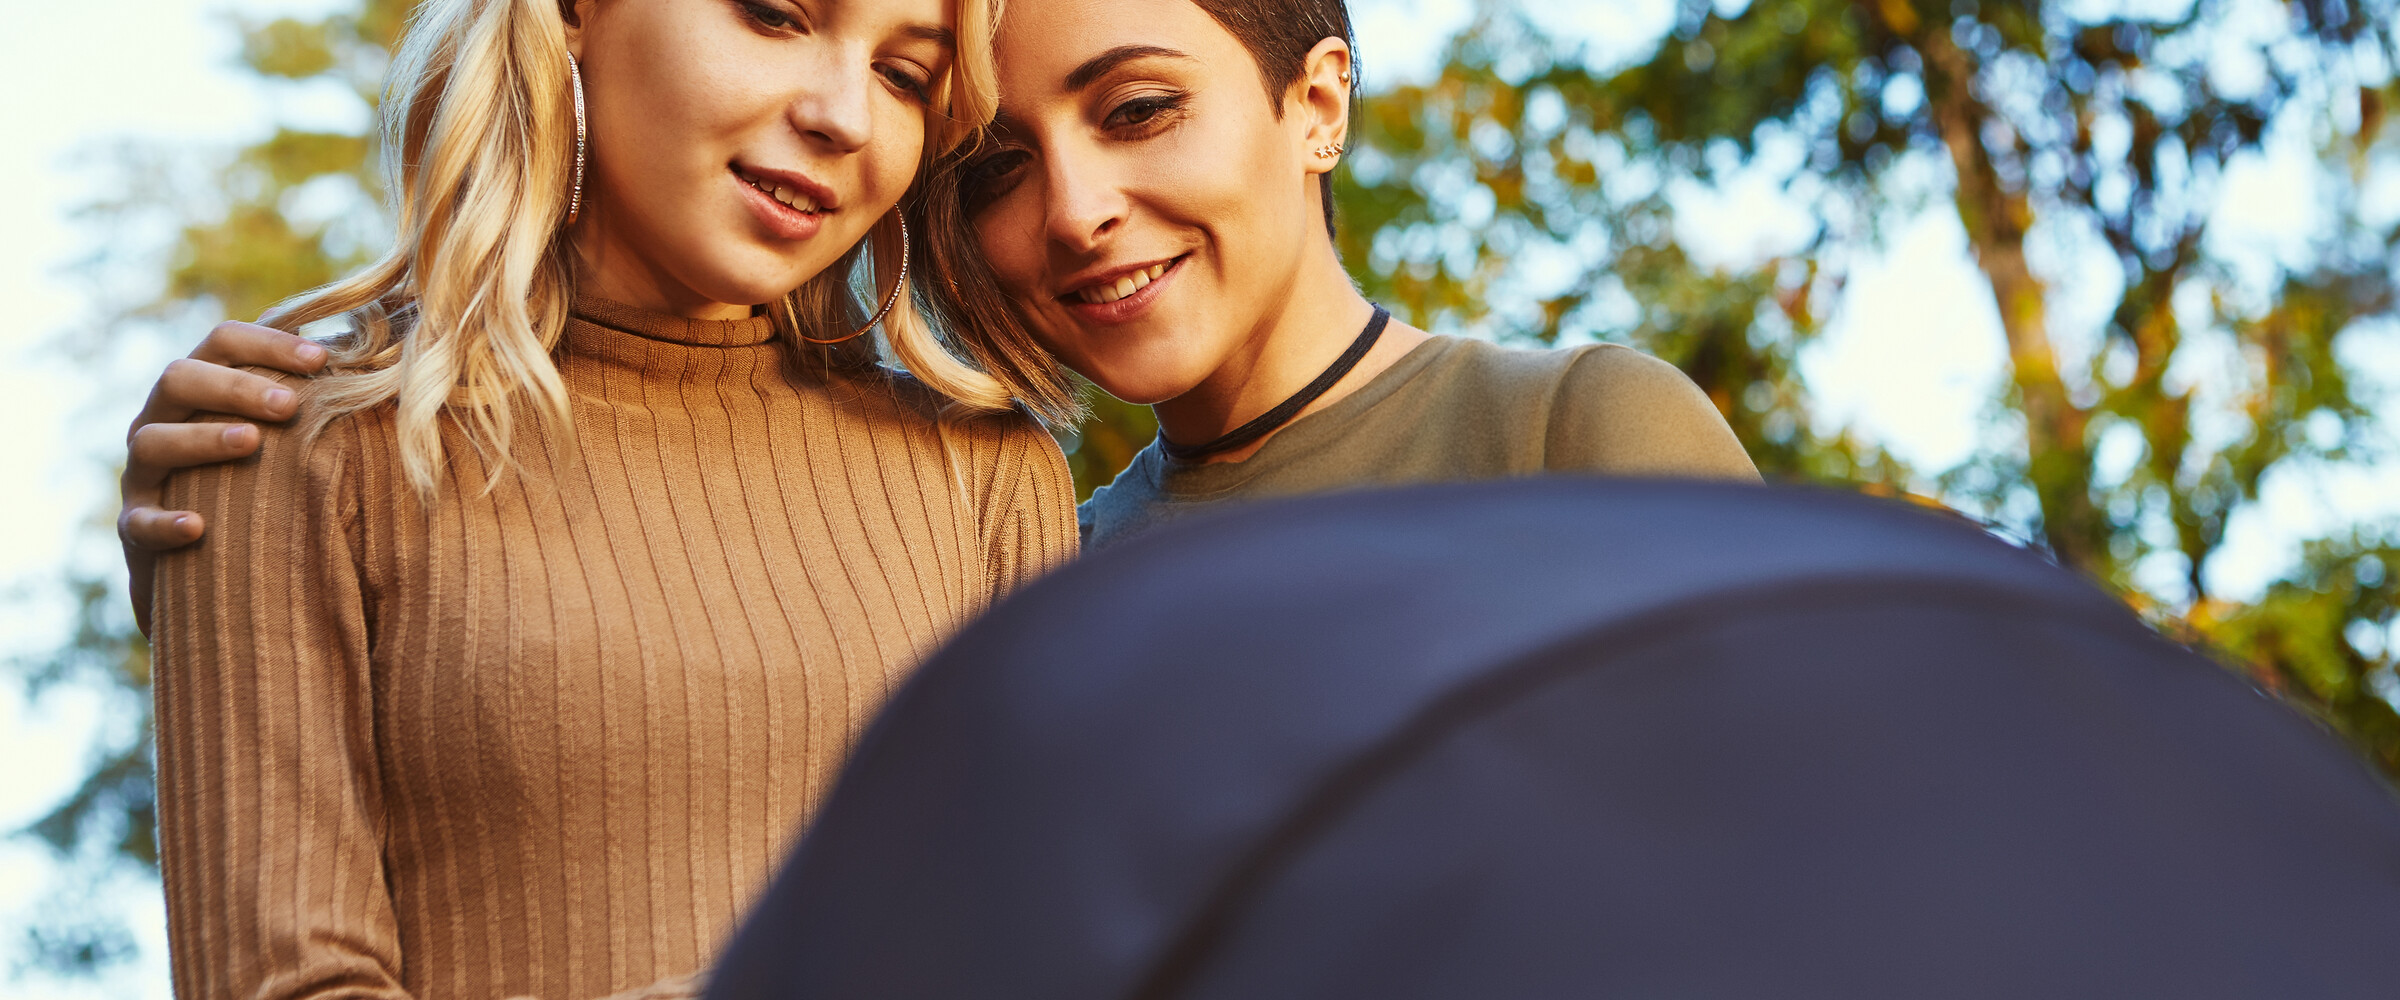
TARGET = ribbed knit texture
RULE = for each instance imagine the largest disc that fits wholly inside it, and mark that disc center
(550, 739)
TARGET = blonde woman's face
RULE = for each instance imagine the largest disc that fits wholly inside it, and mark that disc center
(740, 147)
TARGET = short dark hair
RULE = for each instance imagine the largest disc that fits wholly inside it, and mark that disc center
(1279, 35)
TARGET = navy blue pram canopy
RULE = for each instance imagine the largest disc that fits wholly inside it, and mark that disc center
(1572, 738)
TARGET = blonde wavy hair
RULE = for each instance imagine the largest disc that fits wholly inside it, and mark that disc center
(459, 319)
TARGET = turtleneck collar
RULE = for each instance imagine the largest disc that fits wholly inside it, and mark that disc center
(622, 318)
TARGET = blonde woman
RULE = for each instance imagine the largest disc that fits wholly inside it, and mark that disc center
(518, 658)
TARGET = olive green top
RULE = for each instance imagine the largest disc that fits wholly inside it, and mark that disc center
(1451, 410)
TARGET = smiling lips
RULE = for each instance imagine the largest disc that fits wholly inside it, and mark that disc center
(1106, 292)
(795, 200)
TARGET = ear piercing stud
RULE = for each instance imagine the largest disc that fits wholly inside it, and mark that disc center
(1329, 152)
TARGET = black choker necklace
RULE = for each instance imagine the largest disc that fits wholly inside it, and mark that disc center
(1285, 411)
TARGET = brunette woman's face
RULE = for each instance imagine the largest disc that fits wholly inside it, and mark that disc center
(740, 147)
(1138, 153)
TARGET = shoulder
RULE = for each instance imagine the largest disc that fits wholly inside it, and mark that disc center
(1137, 481)
(1623, 375)
(1010, 442)
(1618, 410)
(323, 436)
(1489, 369)
(305, 470)
(1538, 379)
(1535, 381)
(363, 440)
(1125, 504)
(1586, 366)
(899, 403)
(917, 402)
(1002, 454)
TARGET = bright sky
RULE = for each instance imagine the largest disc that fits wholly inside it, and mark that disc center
(78, 75)
(1911, 362)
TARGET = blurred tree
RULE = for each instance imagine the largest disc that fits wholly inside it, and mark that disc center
(1513, 197)
(1520, 193)
(285, 214)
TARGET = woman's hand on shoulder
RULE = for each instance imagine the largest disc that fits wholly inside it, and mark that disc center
(167, 435)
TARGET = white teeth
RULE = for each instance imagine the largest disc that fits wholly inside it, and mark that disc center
(795, 199)
(782, 194)
(1100, 295)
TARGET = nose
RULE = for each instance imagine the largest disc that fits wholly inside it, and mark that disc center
(1082, 202)
(833, 109)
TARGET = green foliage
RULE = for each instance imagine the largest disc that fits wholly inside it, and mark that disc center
(110, 821)
(1516, 153)
(1106, 442)
(2049, 116)
(251, 259)
(2119, 127)
(292, 49)
(2303, 639)
(113, 810)
(235, 254)
(259, 250)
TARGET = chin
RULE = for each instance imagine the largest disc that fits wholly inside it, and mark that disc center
(754, 285)
(1144, 395)
(739, 269)
(1142, 365)
(1139, 383)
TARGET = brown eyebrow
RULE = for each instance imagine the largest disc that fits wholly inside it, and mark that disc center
(1095, 66)
(934, 33)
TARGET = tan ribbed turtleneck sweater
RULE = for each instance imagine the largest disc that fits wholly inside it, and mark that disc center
(550, 739)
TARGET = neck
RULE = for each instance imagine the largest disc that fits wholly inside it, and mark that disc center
(606, 268)
(1318, 321)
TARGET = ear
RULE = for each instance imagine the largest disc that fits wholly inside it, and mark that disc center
(573, 12)
(1321, 103)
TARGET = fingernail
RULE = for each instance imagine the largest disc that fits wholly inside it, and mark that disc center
(279, 398)
(311, 354)
(183, 520)
(233, 434)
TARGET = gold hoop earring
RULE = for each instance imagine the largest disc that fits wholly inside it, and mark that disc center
(890, 299)
(575, 195)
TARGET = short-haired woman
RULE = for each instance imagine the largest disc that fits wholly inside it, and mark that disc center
(1146, 218)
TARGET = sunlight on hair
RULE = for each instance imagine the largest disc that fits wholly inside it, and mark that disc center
(460, 318)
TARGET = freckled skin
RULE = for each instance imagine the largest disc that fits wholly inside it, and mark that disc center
(677, 90)
(1261, 304)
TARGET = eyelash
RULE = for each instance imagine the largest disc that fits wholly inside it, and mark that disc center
(769, 18)
(1150, 109)
(1142, 114)
(980, 177)
(772, 19)
(919, 89)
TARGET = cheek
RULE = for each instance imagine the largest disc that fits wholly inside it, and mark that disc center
(1008, 233)
(660, 125)
(894, 155)
(1208, 176)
